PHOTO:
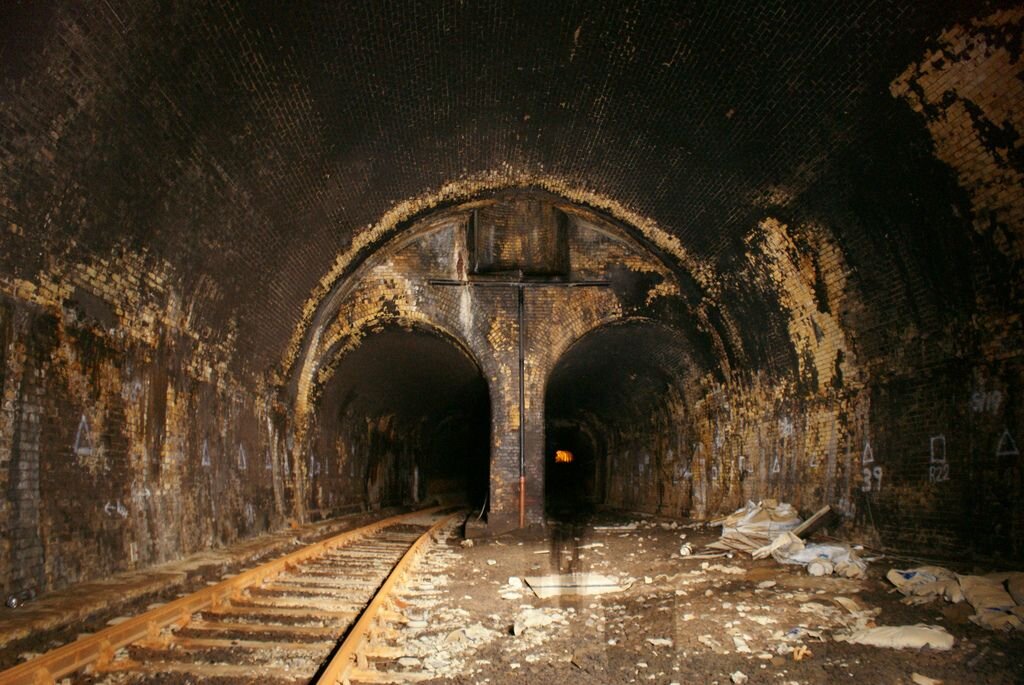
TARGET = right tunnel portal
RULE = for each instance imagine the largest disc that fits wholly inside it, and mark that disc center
(614, 417)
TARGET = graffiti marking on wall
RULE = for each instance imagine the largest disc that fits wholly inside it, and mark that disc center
(116, 509)
(83, 438)
(1007, 446)
(938, 469)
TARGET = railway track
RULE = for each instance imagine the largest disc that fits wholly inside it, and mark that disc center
(302, 618)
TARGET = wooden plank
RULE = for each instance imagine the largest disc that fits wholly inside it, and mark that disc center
(326, 590)
(263, 645)
(812, 524)
(365, 675)
(254, 672)
(263, 628)
(287, 612)
(309, 604)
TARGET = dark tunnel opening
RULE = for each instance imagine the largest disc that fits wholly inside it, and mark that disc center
(614, 400)
(406, 416)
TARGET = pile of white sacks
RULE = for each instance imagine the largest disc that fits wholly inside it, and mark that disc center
(997, 598)
(765, 529)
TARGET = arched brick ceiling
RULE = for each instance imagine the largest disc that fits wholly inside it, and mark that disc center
(246, 144)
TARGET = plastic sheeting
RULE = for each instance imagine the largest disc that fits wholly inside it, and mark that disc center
(755, 525)
(820, 559)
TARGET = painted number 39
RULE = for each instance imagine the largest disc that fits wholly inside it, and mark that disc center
(872, 478)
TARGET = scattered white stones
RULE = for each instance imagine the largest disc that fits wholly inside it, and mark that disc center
(491, 562)
(765, 584)
(515, 581)
(739, 677)
(660, 641)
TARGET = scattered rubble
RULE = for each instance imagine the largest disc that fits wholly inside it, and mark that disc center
(689, 620)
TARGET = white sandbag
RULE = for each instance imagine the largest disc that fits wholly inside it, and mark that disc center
(994, 606)
(899, 637)
(1015, 586)
(926, 583)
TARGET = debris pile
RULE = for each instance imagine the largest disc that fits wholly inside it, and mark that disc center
(771, 528)
(820, 559)
(997, 598)
(752, 527)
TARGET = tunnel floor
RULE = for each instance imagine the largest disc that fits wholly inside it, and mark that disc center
(468, 619)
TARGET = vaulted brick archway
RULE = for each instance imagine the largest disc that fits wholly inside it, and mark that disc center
(514, 276)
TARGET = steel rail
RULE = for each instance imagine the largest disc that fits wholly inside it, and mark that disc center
(345, 657)
(99, 647)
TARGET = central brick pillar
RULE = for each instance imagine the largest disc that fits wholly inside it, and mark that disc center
(516, 246)
(509, 426)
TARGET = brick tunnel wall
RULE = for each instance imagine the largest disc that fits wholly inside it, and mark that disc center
(181, 190)
(109, 444)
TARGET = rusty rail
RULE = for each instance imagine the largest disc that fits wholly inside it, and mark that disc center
(344, 658)
(99, 648)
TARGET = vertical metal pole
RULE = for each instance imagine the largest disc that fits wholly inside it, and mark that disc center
(522, 407)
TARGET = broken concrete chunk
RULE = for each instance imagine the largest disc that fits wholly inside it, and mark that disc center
(478, 633)
(575, 584)
(741, 645)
